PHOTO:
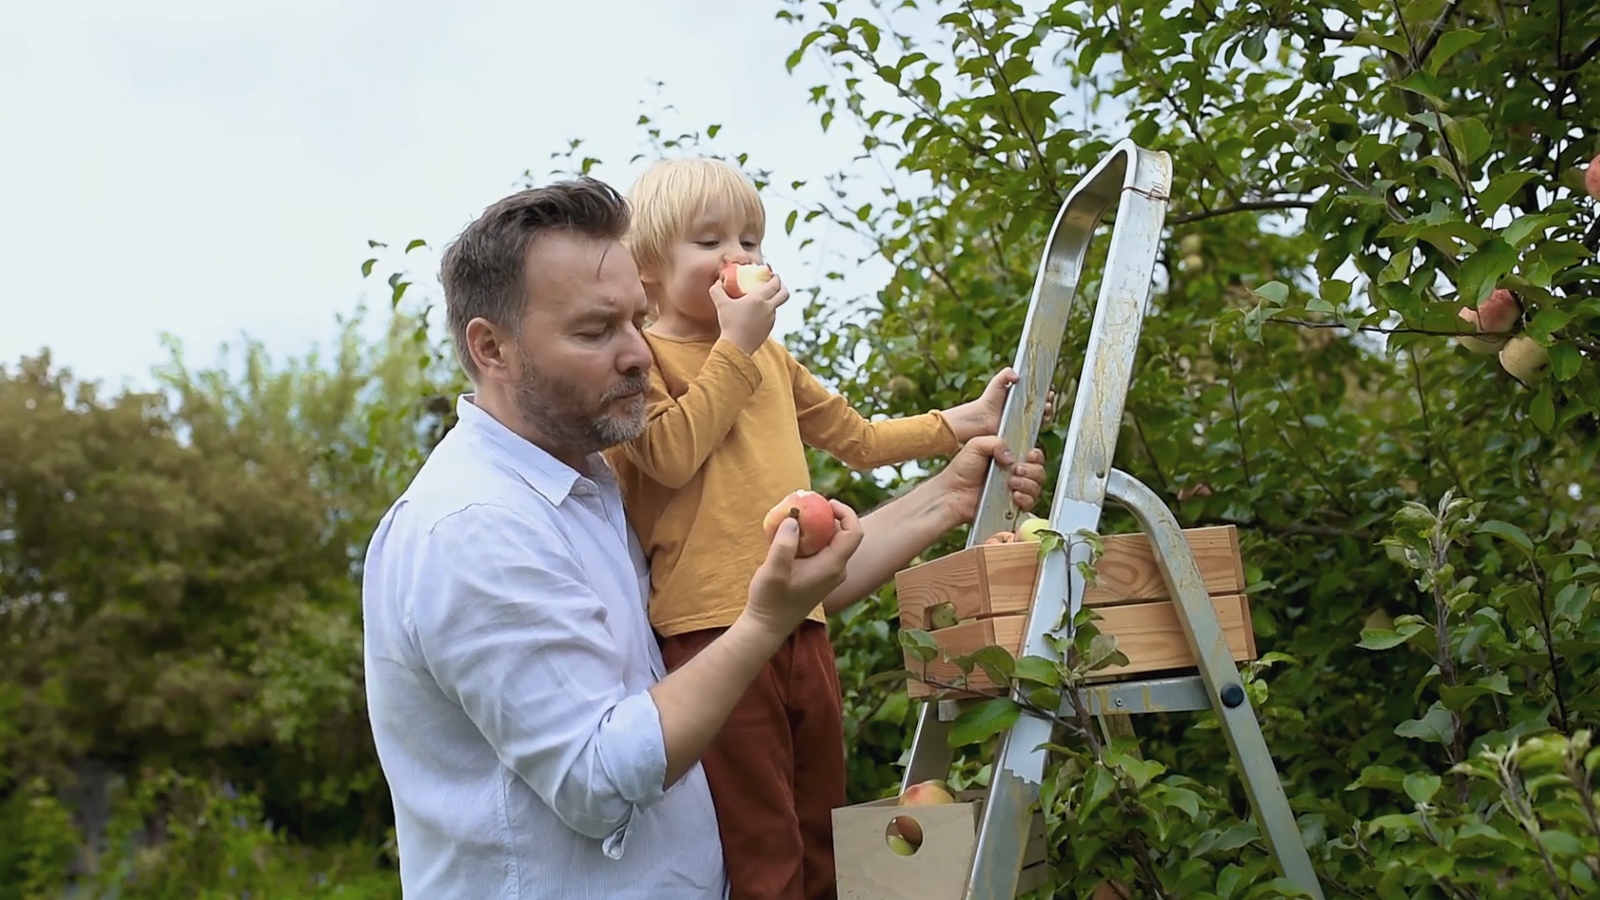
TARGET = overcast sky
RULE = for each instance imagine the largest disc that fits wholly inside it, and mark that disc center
(213, 168)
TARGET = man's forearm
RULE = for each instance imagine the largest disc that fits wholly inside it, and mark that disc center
(695, 700)
(892, 535)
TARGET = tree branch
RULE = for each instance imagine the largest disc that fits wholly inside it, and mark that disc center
(1245, 206)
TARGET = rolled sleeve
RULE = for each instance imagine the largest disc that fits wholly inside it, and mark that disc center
(511, 630)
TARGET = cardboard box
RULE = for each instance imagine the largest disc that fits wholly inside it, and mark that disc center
(868, 870)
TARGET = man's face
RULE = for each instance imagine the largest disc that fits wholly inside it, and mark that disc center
(582, 365)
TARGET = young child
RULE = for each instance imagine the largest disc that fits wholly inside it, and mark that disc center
(730, 413)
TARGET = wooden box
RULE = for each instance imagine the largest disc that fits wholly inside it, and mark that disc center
(868, 870)
(989, 590)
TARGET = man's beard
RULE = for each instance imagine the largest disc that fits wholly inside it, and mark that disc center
(553, 407)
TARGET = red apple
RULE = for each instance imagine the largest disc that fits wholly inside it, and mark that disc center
(815, 516)
(927, 793)
(739, 280)
(1591, 177)
(1001, 537)
(1496, 315)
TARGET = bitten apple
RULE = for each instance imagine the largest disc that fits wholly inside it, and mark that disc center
(814, 515)
(738, 280)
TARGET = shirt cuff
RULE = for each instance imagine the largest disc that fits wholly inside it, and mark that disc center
(637, 767)
(728, 352)
(951, 443)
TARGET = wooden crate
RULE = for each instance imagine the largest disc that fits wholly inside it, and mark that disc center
(868, 870)
(989, 589)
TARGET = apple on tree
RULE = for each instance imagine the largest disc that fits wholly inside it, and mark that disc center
(1496, 315)
(1525, 359)
(1591, 177)
(812, 513)
(738, 280)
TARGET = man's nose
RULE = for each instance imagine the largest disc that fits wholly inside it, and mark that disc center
(635, 358)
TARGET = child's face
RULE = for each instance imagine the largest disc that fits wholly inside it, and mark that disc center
(717, 237)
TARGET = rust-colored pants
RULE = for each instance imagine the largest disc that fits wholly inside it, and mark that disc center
(777, 769)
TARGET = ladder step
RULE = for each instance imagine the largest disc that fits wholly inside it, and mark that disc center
(1184, 693)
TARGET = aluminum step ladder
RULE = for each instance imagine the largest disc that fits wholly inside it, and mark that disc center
(1137, 183)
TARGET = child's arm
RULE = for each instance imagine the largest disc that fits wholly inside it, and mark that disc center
(681, 432)
(828, 423)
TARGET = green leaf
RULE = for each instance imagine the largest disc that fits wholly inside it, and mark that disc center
(1039, 670)
(1450, 43)
(1421, 788)
(919, 644)
(1275, 293)
(1542, 410)
(1561, 843)
(981, 721)
(1501, 188)
(1565, 361)
(1435, 726)
(1509, 533)
(1483, 270)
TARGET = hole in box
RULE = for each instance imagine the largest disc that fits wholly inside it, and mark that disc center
(903, 834)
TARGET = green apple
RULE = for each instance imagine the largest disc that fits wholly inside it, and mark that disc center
(1030, 529)
(900, 845)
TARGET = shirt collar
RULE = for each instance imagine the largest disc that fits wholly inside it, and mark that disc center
(541, 471)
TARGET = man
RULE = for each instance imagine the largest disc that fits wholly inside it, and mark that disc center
(532, 741)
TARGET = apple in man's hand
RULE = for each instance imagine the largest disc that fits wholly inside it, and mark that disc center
(812, 512)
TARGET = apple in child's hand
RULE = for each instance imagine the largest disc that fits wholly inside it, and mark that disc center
(738, 280)
(812, 512)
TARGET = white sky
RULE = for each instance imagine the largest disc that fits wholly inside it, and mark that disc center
(214, 168)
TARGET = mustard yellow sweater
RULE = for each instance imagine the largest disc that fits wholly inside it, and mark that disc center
(725, 442)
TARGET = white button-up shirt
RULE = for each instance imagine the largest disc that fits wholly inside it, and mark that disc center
(508, 659)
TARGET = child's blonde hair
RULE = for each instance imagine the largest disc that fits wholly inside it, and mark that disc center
(672, 193)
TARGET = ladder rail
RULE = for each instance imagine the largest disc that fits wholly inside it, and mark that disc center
(1220, 676)
(1055, 287)
(1137, 182)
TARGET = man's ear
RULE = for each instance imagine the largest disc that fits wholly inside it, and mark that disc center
(490, 348)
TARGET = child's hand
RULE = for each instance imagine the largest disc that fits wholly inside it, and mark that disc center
(748, 320)
(982, 416)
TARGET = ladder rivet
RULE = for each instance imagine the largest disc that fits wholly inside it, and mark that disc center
(1232, 696)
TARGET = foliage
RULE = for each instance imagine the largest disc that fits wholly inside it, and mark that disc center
(1345, 179)
(178, 585)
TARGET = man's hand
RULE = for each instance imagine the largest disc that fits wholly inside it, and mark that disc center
(961, 481)
(786, 589)
(748, 320)
(982, 416)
